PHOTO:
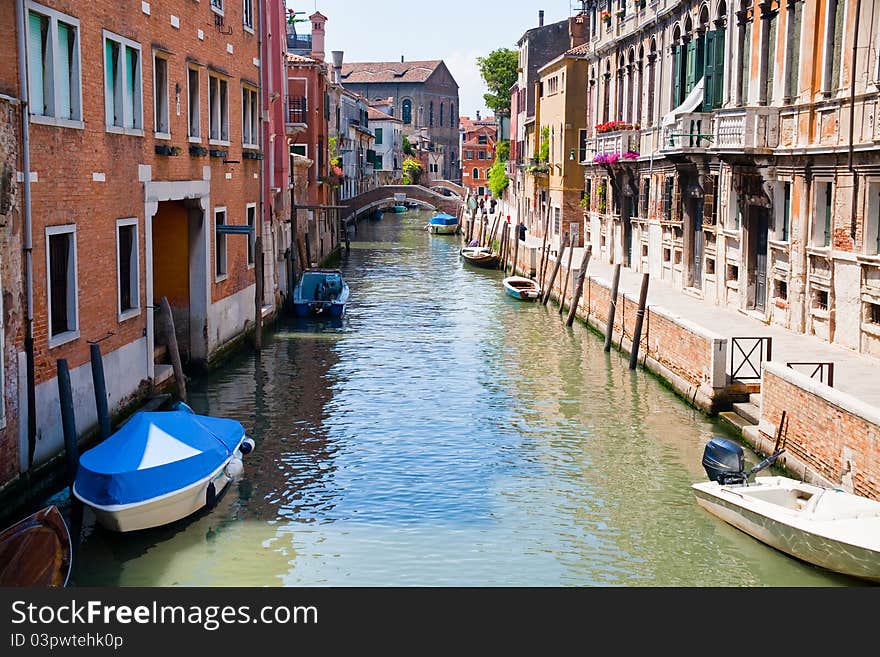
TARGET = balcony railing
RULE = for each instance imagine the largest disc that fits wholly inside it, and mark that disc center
(689, 133)
(296, 110)
(746, 128)
(618, 142)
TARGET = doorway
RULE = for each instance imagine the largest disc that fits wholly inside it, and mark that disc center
(627, 231)
(761, 225)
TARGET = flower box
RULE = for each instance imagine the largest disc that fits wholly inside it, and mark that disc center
(167, 149)
(216, 152)
(198, 151)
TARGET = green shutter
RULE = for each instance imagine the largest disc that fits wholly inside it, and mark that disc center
(709, 74)
(691, 66)
(128, 94)
(676, 75)
(110, 83)
(718, 72)
(378, 136)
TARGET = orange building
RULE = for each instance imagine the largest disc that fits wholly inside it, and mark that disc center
(477, 152)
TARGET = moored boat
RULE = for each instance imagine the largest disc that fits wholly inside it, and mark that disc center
(524, 289)
(826, 527)
(442, 224)
(481, 256)
(36, 551)
(161, 466)
(320, 293)
(399, 208)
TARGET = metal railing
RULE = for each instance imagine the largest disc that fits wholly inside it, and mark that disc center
(823, 371)
(297, 110)
(747, 357)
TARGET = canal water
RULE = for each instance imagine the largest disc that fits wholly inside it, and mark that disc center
(445, 434)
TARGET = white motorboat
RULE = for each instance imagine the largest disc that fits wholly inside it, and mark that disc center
(826, 527)
(160, 467)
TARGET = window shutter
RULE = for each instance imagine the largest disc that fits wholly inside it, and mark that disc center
(718, 72)
(709, 73)
(691, 66)
(36, 41)
(110, 83)
(62, 72)
(676, 75)
(128, 92)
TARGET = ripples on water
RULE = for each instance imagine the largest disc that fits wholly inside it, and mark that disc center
(444, 434)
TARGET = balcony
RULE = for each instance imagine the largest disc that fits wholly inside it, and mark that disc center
(617, 142)
(297, 113)
(746, 129)
(689, 133)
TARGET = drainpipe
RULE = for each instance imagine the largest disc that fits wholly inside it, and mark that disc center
(27, 247)
(258, 228)
(852, 108)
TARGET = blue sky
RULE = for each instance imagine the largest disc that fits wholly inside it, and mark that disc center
(384, 30)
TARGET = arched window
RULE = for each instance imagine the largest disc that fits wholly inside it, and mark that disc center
(441, 115)
(452, 118)
(406, 111)
(431, 114)
(476, 173)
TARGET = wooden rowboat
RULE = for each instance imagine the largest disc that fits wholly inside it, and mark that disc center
(36, 551)
(523, 289)
(481, 256)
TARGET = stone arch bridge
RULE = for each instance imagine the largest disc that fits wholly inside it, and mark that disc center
(384, 196)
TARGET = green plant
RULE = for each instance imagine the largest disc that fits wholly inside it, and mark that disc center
(407, 147)
(600, 195)
(544, 152)
(499, 72)
(412, 171)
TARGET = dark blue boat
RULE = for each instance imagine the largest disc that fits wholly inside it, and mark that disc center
(320, 293)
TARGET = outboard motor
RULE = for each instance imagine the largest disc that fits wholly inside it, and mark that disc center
(724, 461)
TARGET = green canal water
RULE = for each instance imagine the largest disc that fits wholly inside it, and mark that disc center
(445, 434)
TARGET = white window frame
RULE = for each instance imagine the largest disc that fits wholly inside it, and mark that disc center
(304, 146)
(135, 310)
(251, 252)
(250, 117)
(221, 277)
(76, 67)
(817, 218)
(222, 117)
(217, 6)
(872, 219)
(193, 138)
(73, 334)
(138, 98)
(159, 134)
(247, 12)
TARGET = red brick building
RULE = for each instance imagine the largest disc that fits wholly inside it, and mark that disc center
(144, 141)
(477, 153)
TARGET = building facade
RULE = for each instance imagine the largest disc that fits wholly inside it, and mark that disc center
(387, 146)
(478, 139)
(425, 97)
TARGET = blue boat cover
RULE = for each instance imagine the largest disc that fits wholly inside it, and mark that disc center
(155, 453)
(443, 219)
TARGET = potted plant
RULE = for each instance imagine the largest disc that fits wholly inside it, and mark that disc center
(167, 149)
(606, 16)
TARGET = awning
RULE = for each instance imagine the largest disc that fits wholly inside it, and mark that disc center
(690, 104)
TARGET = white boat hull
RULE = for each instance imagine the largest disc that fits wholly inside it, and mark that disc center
(827, 528)
(437, 229)
(163, 509)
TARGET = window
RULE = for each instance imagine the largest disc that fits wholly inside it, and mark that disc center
(769, 66)
(62, 283)
(218, 110)
(217, 5)
(194, 119)
(793, 49)
(780, 289)
(476, 174)
(469, 155)
(582, 145)
(247, 16)
(482, 139)
(557, 220)
(431, 114)
(441, 115)
(250, 118)
(299, 149)
(820, 299)
(452, 119)
(53, 64)
(406, 111)
(833, 41)
(481, 155)
(872, 220)
(645, 197)
(251, 216)
(587, 195)
(122, 84)
(481, 191)
(786, 211)
(872, 313)
(822, 214)
(668, 184)
(378, 132)
(160, 96)
(219, 244)
(127, 268)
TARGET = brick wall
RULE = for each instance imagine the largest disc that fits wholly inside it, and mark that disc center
(828, 431)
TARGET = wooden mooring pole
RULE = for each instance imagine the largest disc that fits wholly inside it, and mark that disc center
(612, 306)
(579, 286)
(170, 339)
(100, 386)
(555, 270)
(567, 279)
(515, 249)
(540, 272)
(640, 318)
(71, 450)
(258, 292)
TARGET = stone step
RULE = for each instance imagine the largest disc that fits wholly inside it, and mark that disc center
(748, 412)
(735, 419)
(755, 398)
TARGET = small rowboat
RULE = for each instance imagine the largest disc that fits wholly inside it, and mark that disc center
(481, 256)
(822, 526)
(36, 551)
(523, 289)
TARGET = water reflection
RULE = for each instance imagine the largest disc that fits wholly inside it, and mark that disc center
(444, 434)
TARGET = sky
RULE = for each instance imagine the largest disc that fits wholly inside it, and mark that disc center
(456, 31)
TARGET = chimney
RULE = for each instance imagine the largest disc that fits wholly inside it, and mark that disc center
(541, 18)
(318, 21)
(478, 115)
(401, 59)
(577, 30)
(337, 66)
